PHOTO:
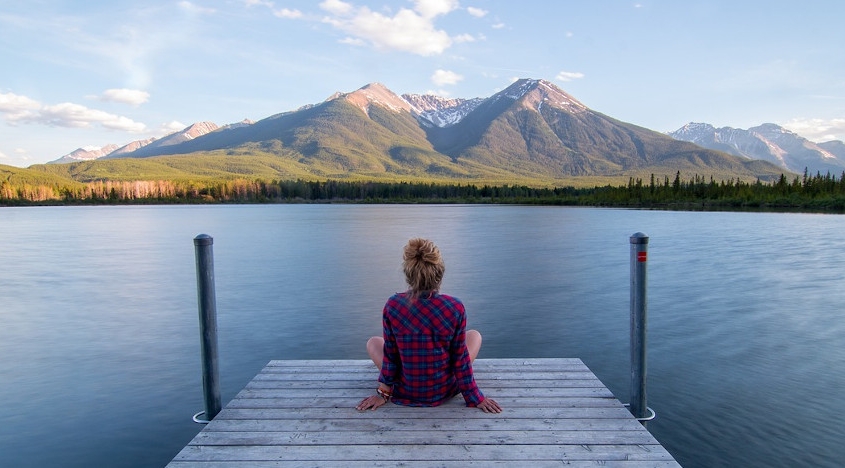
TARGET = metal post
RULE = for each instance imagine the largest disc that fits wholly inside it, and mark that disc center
(639, 260)
(208, 326)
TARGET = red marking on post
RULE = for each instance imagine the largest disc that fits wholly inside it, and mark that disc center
(642, 256)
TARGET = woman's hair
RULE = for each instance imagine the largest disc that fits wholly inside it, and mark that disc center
(423, 266)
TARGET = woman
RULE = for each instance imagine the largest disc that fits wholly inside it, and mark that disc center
(426, 353)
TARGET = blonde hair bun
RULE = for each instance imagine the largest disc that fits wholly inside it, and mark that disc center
(422, 250)
(423, 266)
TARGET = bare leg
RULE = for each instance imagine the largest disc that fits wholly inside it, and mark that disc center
(375, 348)
(473, 343)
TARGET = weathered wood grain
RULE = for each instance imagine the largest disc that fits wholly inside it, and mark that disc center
(302, 413)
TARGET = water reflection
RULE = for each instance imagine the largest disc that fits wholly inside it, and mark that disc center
(99, 321)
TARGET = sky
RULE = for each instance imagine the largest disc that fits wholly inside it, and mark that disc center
(90, 73)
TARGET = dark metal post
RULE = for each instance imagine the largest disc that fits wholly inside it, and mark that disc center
(208, 325)
(639, 260)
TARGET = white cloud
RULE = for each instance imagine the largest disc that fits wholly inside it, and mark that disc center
(17, 107)
(170, 127)
(445, 77)
(498, 26)
(353, 41)
(21, 109)
(431, 8)
(337, 7)
(818, 130)
(195, 9)
(569, 76)
(407, 30)
(477, 12)
(72, 115)
(133, 97)
(278, 12)
(464, 38)
(287, 13)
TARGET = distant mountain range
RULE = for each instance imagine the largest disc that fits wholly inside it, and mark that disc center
(531, 130)
(89, 153)
(769, 142)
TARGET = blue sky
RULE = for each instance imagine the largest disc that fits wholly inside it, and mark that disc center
(91, 73)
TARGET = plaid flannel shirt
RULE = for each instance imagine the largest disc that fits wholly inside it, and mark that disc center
(426, 361)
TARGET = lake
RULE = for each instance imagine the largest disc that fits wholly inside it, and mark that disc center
(99, 335)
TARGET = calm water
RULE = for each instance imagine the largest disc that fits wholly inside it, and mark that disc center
(99, 343)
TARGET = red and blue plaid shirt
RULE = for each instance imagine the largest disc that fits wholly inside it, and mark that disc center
(426, 361)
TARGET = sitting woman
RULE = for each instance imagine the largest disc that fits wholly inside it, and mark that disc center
(426, 353)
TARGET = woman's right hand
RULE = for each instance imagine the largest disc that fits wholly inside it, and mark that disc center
(371, 403)
(489, 405)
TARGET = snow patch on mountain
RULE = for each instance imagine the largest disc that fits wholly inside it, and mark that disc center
(437, 111)
(547, 93)
(835, 148)
(520, 88)
(429, 109)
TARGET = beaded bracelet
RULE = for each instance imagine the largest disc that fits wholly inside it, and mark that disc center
(384, 394)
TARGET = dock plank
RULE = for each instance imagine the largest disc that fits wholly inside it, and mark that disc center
(302, 413)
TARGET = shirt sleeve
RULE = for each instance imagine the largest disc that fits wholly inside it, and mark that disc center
(391, 362)
(463, 366)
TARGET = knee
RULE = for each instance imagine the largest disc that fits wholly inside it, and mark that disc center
(375, 342)
(473, 341)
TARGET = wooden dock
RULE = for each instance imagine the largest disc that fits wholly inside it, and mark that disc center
(302, 413)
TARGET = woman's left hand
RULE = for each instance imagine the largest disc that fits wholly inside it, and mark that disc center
(371, 402)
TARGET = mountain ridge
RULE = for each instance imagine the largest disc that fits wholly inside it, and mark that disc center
(768, 142)
(530, 130)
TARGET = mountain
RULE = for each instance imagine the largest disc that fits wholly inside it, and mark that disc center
(768, 142)
(130, 147)
(146, 147)
(530, 131)
(370, 131)
(534, 127)
(133, 149)
(87, 153)
(835, 147)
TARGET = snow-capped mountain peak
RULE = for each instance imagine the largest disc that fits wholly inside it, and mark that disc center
(535, 94)
(374, 93)
(695, 132)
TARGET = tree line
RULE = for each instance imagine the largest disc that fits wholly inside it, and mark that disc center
(816, 193)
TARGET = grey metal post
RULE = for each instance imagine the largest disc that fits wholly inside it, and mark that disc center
(639, 308)
(208, 325)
